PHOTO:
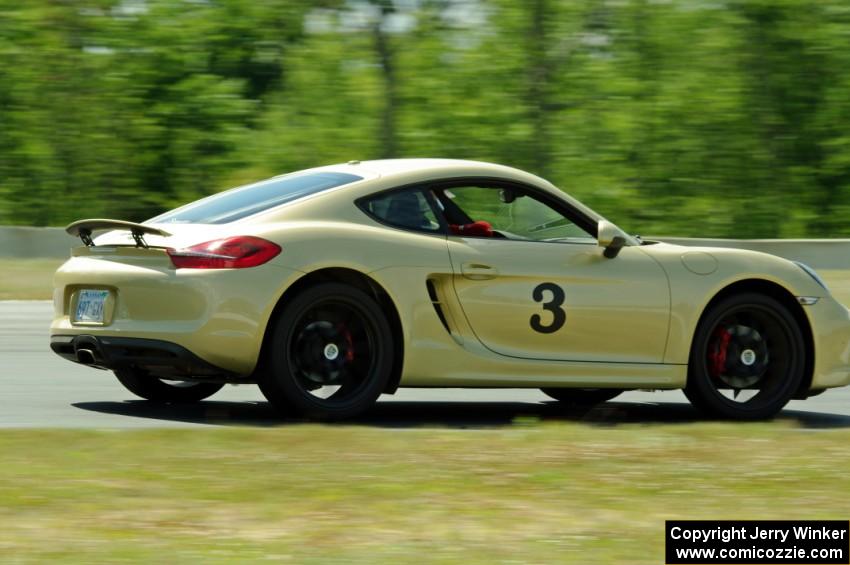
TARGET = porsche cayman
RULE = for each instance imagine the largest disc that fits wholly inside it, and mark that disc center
(331, 286)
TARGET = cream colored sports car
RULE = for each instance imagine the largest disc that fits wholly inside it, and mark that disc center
(330, 286)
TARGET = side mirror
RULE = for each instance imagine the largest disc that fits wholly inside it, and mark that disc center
(508, 195)
(611, 238)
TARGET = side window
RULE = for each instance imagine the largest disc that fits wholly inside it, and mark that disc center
(506, 213)
(407, 209)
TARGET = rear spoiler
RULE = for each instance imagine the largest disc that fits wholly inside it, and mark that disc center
(84, 228)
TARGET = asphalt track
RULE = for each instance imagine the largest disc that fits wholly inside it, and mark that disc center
(40, 390)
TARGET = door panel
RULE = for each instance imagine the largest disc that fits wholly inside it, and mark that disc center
(562, 301)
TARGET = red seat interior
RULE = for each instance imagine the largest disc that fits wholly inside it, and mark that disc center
(479, 229)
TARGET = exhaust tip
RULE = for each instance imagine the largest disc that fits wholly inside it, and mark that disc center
(85, 356)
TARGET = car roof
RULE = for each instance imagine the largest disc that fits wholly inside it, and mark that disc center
(402, 171)
(408, 166)
(405, 165)
(382, 174)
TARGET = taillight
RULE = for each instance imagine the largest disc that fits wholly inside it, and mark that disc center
(237, 252)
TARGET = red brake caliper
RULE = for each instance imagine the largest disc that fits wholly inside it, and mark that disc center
(349, 343)
(717, 353)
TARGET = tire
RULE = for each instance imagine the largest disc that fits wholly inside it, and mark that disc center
(330, 355)
(746, 344)
(582, 396)
(156, 390)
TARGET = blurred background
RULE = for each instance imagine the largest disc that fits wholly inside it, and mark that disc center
(725, 118)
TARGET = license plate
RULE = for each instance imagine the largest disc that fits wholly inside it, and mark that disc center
(90, 305)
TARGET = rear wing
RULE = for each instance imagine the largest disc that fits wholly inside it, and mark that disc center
(84, 228)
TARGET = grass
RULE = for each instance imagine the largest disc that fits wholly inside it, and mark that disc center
(27, 279)
(541, 493)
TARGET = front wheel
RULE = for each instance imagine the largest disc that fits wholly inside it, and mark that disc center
(330, 354)
(157, 390)
(747, 358)
(582, 396)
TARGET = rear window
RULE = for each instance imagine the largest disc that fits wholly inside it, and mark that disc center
(245, 201)
(408, 209)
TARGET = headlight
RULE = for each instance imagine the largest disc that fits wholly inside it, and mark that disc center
(811, 272)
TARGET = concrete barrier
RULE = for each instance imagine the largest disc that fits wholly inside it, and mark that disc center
(25, 242)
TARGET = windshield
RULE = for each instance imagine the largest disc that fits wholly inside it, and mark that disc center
(244, 201)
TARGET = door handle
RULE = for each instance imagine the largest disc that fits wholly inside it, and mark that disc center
(478, 271)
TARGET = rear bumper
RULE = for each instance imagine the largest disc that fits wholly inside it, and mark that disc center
(159, 358)
(219, 315)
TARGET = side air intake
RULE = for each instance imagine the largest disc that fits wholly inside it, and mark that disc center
(435, 302)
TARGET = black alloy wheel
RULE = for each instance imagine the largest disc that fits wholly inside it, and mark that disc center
(154, 389)
(747, 359)
(330, 354)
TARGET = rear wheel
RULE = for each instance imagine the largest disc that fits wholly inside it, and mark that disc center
(157, 390)
(330, 354)
(582, 396)
(747, 359)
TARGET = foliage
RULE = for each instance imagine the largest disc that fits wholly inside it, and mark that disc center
(676, 117)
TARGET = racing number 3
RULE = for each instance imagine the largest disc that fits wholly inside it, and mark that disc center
(554, 306)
